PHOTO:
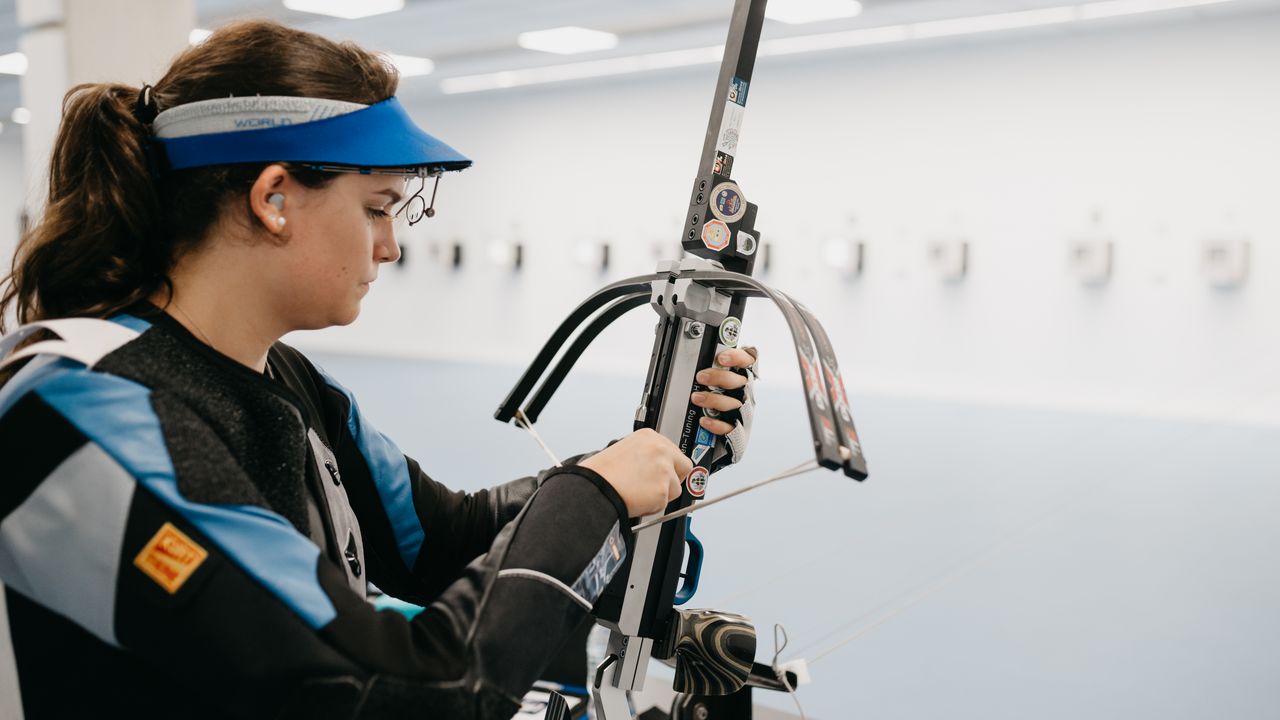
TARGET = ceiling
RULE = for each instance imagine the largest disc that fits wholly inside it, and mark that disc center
(477, 36)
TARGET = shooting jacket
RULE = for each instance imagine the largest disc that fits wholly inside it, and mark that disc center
(181, 536)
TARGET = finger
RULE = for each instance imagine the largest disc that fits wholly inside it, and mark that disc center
(715, 401)
(683, 466)
(735, 357)
(674, 488)
(723, 379)
(716, 427)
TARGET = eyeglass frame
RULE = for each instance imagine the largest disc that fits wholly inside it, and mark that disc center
(418, 172)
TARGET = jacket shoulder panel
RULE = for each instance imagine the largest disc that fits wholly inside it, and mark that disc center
(117, 415)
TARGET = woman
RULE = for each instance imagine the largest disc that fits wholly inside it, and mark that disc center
(192, 511)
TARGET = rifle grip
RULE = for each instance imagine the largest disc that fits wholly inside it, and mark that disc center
(692, 566)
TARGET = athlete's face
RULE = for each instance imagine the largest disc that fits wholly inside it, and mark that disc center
(335, 238)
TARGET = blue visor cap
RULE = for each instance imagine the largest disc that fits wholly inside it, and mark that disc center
(381, 135)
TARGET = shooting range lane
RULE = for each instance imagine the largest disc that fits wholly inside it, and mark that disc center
(995, 551)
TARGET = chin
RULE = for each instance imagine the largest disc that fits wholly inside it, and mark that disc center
(348, 316)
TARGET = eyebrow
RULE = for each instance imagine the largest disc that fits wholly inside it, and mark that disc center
(395, 196)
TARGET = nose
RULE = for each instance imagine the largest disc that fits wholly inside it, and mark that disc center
(385, 247)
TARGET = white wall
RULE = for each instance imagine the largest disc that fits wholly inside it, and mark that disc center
(12, 195)
(1166, 132)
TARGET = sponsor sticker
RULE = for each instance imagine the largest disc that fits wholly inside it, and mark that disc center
(699, 452)
(727, 202)
(730, 127)
(704, 437)
(170, 557)
(853, 441)
(828, 432)
(697, 482)
(715, 235)
(738, 91)
(839, 397)
(813, 381)
(608, 559)
(746, 243)
(729, 330)
(723, 164)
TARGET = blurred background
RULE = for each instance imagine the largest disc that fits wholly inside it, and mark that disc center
(1044, 238)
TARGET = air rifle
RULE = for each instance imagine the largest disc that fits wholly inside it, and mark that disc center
(699, 300)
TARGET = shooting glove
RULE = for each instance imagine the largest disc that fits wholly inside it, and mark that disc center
(734, 446)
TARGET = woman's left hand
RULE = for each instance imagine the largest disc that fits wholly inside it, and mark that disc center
(724, 379)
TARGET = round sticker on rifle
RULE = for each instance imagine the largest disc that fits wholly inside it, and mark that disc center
(746, 243)
(697, 482)
(727, 202)
(715, 235)
(729, 330)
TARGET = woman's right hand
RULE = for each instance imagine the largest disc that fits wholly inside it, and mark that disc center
(645, 468)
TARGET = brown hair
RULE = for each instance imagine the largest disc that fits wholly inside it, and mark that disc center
(111, 232)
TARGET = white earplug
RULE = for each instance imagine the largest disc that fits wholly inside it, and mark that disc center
(276, 199)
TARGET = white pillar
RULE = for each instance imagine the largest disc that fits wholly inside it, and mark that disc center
(68, 42)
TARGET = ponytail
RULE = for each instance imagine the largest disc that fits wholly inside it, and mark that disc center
(98, 247)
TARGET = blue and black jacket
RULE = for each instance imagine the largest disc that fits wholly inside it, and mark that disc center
(181, 536)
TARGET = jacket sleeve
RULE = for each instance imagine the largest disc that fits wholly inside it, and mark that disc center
(419, 535)
(254, 619)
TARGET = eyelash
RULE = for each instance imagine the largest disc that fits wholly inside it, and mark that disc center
(378, 213)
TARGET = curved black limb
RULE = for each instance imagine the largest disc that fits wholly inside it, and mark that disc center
(830, 420)
(552, 383)
(507, 410)
(822, 418)
(856, 464)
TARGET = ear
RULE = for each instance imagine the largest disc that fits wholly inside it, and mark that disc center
(269, 198)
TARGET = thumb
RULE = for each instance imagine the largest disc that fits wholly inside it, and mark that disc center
(684, 465)
(674, 487)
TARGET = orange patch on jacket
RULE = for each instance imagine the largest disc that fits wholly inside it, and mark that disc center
(170, 557)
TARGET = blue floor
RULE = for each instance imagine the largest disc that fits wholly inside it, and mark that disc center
(1000, 563)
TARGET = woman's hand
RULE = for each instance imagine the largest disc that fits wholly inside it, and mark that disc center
(645, 468)
(723, 379)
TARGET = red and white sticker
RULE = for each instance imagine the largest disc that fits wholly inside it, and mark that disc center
(697, 482)
(715, 235)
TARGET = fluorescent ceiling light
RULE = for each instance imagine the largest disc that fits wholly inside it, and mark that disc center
(197, 36)
(345, 9)
(832, 41)
(567, 40)
(796, 12)
(14, 63)
(582, 70)
(410, 66)
(815, 42)
(991, 23)
(1113, 8)
(21, 116)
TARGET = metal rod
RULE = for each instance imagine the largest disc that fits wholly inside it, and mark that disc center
(800, 469)
(524, 422)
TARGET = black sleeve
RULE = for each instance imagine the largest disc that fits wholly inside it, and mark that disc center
(418, 534)
(461, 526)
